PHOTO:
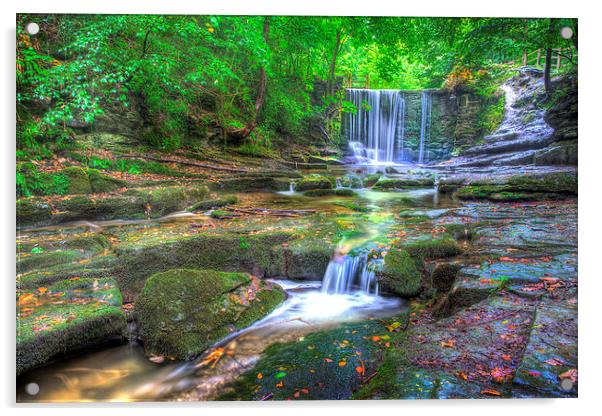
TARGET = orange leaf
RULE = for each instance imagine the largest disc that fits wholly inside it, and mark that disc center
(491, 392)
(26, 298)
(570, 374)
(448, 344)
(42, 290)
(462, 375)
(259, 376)
(375, 338)
(342, 363)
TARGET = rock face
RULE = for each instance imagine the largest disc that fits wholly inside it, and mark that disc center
(529, 135)
(182, 312)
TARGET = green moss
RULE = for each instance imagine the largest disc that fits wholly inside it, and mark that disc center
(461, 231)
(249, 183)
(370, 180)
(97, 267)
(315, 181)
(32, 211)
(214, 203)
(70, 315)
(444, 277)
(78, 180)
(555, 183)
(221, 215)
(404, 183)
(136, 262)
(43, 260)
(353, 207)
(182, 312)
(400, 274)
(329, 192)
(433, 248)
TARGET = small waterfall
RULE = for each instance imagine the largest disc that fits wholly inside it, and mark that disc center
(346, 274)
(291, 187)
(338, 183)
(425, 127)
(378, 124)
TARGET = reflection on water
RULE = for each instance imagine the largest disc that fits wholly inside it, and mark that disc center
(123, 373)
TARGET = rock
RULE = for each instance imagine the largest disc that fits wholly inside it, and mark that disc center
(400, 274)
(65, 317)
(444, 277)
(314, 181)
(131, 204)
(565, 153)
(43, 260)
(329, 192)
(32, 211)
(214, 203)
(267, 254)
(551, 351)
(248, 183)
(433, 248)
(182, 312)
(412, 182)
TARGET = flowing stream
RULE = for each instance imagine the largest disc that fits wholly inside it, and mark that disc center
(348, 292)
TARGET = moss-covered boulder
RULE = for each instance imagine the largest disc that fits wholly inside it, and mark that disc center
(86, 181)
(433, 248)
(352, 181)
(400, 274)
(405, 183)
(67, 316)
(315, 181)
(182, 312)
(371, 179)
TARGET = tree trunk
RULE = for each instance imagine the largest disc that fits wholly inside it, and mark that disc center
(239, 135)
(333, 63)
(547, 70)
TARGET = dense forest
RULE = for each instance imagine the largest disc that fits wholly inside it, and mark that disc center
(248, 80)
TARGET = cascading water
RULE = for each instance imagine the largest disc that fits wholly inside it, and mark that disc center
(346, 274)
(425, 127)
(375, 131)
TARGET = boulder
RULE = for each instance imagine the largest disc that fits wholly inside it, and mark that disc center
(182, 312)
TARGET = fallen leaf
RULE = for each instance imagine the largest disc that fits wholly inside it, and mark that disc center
(491, 392)
(570, 374)
(342, 363)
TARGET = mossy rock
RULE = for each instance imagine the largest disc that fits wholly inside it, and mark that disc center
(214, 203)
(301, 260)
(400, 274)
(78, 180)
(560, 182)
(372, 179)
(404, 183)
(461, 231)
(32, 211)
(219, 214)
(249, 183)
(444, 277)
(67, 316)
(227, 252)
(433, 248)
(163, 201)
(352, 181)
(329, 192)
(97, 267)
(315, 181)
(182, 312)
(29, 262)
(85, 181)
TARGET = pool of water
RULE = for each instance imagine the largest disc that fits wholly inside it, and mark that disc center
(124, 373)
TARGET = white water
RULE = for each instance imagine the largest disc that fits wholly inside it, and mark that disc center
(347, 274)
(425, 127)
(378, 125)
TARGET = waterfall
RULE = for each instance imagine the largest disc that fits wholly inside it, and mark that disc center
(346, 274)
(425, 127)
(378, 124)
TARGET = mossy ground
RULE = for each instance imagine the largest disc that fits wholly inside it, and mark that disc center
(325, 365)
